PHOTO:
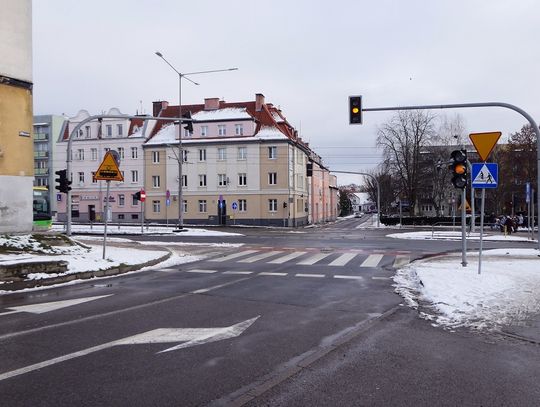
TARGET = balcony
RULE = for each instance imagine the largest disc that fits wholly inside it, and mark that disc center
(41, 154)
(41, 137)
(41, 171)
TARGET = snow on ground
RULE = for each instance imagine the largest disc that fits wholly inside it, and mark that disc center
(154, 243)
(136, 230)
(506, 292)
(455, 235)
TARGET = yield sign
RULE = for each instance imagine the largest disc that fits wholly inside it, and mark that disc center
(108, 169)
(484, 143)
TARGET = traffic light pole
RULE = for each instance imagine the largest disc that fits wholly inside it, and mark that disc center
(463, 227)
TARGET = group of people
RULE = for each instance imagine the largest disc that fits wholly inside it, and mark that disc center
(509, 224)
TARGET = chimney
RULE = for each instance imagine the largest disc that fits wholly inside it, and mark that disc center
(158, 107)
(211, 104)
(259, 101)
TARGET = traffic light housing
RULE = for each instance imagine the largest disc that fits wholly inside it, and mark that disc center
(355, 109)
(458, 166)
(309, 169)
(189, 124)
(63, 182)
(137, 196)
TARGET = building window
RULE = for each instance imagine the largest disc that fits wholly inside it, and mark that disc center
(109, 130)
(202, 154)
(222, 180)
(88, 131)
(184, 206)
(242, 205)
(222, 154)
(121, 216)
(242, 153)
(184, 181)
(134, 152)
(239, 129)
(81, 177)
(155, 157)
(202, 205)
(242, 179)
(156, 182)
(106, 149)
(185, 155)
(204, 131)
(120, 129)
(121, 153)
(94, 180)
(121, 199)
(134, 202)
(187, 133)
(300, 181)
(156, 206)
(272, 205)
(134, 176)
(80, 154)
(272, 178)
(93, 151)
(222, 131)
(202, 180)
(123, 176)
(272, 152)
(134, 215)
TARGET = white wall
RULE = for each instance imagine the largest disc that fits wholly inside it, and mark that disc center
(16, 212)
(16, 39)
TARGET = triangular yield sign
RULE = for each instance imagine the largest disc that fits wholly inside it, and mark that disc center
(484, 143)
(108, 169)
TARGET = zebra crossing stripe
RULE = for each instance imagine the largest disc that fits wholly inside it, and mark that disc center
(258, 257)
(400, 261)
(268, 273)
(314, 259)
(201, 271)
(349, 277)
(238, 272)
(310, 275)
(343, 259)
(283, 259)
(372, 260)
(234, 256)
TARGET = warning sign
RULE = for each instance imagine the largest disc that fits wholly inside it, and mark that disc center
(484, 143)
(108, 169)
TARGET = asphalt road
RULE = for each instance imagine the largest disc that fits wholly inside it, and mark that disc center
(308, 319)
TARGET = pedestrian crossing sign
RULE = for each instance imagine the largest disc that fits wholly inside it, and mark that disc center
(485, 175)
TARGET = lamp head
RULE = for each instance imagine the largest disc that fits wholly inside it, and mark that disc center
(159, 54)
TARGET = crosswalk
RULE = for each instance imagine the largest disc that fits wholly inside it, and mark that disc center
(311, 258)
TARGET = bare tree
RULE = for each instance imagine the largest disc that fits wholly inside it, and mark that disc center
(403, 138)
(389, 187)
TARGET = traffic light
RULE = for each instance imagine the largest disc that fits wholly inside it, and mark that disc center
(63, 182)
(458, 165)
(355, 109)
(309, 169)
(189, 125)
(137, 196)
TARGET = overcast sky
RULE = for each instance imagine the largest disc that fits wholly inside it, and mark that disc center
(305, 56)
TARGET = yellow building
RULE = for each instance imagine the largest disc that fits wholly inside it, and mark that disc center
(16, 143)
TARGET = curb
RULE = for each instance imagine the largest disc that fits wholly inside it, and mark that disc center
(83, 275)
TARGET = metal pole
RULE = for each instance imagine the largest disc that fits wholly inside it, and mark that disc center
(463, 227)
(142, 217)
(481, 230)
(400, 214)
(106, 218)
(181, 157)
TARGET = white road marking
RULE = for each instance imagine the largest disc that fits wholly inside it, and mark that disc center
(372, 260)
(349, 277)
(343, 259)
(238, 272)
(190, 337)
(310, 275)
(283, 259)
(168, 270)
(313, 259)
(201, 271)
(268, 273)
(234, 255)
(380, 278)
(51, 306)
(258, 257)
(401, 260)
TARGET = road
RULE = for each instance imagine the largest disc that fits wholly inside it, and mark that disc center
(291, 318)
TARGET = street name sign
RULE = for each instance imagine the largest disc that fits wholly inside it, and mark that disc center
(108, 169)
(484, 143)
(485, 175)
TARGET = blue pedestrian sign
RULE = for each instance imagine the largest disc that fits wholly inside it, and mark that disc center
(485, 175)
(234, 206)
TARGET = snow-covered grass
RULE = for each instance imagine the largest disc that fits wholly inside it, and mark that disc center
(506, 291)
(455, 235)
(136, 230)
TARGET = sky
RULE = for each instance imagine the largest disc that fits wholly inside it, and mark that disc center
(306, 57)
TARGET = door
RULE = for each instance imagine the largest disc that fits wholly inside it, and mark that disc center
(92, 213)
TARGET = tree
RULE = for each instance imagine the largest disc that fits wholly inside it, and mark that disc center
(345, 206)
(403, 139)
(389, 188)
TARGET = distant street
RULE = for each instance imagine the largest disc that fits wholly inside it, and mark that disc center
(291, 318)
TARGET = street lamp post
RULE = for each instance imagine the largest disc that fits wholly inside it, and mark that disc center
(181, 156)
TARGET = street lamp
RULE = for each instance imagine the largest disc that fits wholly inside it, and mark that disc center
(181, 156)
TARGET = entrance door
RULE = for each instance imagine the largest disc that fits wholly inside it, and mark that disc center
(222, 212)
(92, 213)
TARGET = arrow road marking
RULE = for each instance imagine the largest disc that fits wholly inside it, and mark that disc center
(51, 306)
(190, 337)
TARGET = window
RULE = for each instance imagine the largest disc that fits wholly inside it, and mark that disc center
(242, 179)
(88, 131)
(300, 181)
(134, 215)
(93, 151)
(184, 206)
(187, 133)
(242, 153)
(121, 153)
(81, 177)
(155, 157)
(272, 178)
(202, 180)
(222, 154)
(202, 205)
(94, 180)
(242, 205)
(123, 176)
(202, 154)
(222, 180)
(239, 129)
(80, 133)
(222, 131)
(109, 130)
(184, 181)
(156, 182)
(121, 216)
(272, 205)
(272, 152)
(134, 152)
(184, 155)
(120, 129)
(156, 206)
(121, 199)
(299, 158)
(204, 131)
(134, 176)
(80, 154)
(134, 202)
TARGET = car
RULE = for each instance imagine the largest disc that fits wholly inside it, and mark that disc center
(358, 214)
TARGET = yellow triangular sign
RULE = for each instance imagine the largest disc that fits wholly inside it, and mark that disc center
(108, 169)
(484, 143)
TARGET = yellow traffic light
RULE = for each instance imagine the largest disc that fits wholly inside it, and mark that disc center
(355, 109)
